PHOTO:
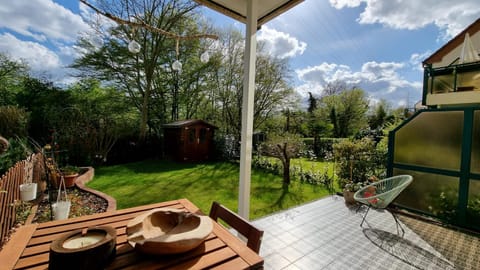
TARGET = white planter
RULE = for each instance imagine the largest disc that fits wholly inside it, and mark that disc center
(28, 191)
(61, 209)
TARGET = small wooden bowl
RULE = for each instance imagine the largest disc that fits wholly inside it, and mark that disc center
(168, 231)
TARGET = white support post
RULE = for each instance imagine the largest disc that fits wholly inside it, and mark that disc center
(247, 110)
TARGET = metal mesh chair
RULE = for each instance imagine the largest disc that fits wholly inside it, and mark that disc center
(380, 194)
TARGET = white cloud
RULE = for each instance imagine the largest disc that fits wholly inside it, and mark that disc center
(38, 57)
(41, 20)
(281, 44)
(451, 17)
(416, 60)
(379, 80)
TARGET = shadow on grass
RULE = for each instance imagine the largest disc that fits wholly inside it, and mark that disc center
(286, 196)
(406, 250)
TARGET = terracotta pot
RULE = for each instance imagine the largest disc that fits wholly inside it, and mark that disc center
(70, 180)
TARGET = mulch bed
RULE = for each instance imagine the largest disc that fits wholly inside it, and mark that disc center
(83, 203)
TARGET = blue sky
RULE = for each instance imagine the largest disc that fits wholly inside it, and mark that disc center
(373, 44)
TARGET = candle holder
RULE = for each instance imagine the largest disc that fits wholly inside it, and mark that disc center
(89, 248)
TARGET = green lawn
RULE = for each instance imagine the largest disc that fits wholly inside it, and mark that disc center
(158, 180)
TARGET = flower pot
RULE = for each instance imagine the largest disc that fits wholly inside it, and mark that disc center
(61, 209)
(70, 180)
(348, 196)
(28, 191)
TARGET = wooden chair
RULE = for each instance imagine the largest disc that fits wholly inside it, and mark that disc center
(245, 228)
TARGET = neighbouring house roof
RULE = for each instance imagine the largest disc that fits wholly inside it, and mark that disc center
(453, 43)
(186, 123)
(237, 9)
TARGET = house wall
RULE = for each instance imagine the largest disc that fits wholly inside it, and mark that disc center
(455, 53)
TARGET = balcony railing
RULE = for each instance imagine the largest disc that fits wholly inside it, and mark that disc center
(451, 79)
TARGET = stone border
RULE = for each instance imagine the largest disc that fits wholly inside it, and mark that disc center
(86, 177)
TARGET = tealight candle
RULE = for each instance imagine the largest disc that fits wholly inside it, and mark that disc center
(79, 241)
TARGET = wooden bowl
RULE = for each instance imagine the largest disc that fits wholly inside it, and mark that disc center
(168, 231)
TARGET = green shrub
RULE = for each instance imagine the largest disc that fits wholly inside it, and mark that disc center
(357, 161)
(13, 122)
(16, 152)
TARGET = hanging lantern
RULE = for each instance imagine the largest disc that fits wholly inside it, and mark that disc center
(134, 47)
(177, 65)
(204, 57)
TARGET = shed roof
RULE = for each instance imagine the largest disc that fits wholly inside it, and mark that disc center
(186, 123)
(453, 43)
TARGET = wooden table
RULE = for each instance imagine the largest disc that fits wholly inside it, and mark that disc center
(29, 246)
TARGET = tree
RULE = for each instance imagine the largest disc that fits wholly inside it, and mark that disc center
(346, 111)
(284, 147)
(272, 91)
(381, 114)
(312, 103)
(11, 75)
(147, 75)
(97, 117)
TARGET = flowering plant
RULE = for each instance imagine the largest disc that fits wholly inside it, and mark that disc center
(355, 186)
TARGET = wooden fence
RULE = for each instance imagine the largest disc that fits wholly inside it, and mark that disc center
(10, 192)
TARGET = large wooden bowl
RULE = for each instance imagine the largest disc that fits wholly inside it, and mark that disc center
(168, 231)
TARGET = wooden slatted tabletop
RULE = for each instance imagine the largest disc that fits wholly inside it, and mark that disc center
(29, 246)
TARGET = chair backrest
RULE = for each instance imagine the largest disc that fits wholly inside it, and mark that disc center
(380, 194)
(245, 228)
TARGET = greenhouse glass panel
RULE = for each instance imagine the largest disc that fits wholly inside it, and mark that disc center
(473, 207)
(475, 161)
(431, 139)
(433, 194)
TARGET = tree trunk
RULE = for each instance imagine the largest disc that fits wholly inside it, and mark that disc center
(286, 173)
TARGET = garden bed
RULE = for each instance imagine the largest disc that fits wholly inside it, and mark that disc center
(83, 203)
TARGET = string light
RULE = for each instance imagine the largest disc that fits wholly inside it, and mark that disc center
(205, 57)
(134, 47)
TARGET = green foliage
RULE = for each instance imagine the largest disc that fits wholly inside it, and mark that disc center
(11, 74)
(90, 122)
(16, 152)
(22, 211)
(357, 161)
(70, 170)
(345, 110)
(13, 122)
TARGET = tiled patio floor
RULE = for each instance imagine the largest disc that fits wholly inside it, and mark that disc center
(325, 234)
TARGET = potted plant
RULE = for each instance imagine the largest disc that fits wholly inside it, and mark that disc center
(28, 190)
(350, 187)
(70, 174)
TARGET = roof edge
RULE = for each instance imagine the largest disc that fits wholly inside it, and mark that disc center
(453, 43)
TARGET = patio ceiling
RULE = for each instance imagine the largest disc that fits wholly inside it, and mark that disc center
(237, 9)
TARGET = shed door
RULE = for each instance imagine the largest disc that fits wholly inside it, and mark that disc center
(197, 143)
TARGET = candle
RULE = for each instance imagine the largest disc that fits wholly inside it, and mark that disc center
(79, 240)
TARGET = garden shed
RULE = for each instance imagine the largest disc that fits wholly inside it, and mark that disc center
(189, 140)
